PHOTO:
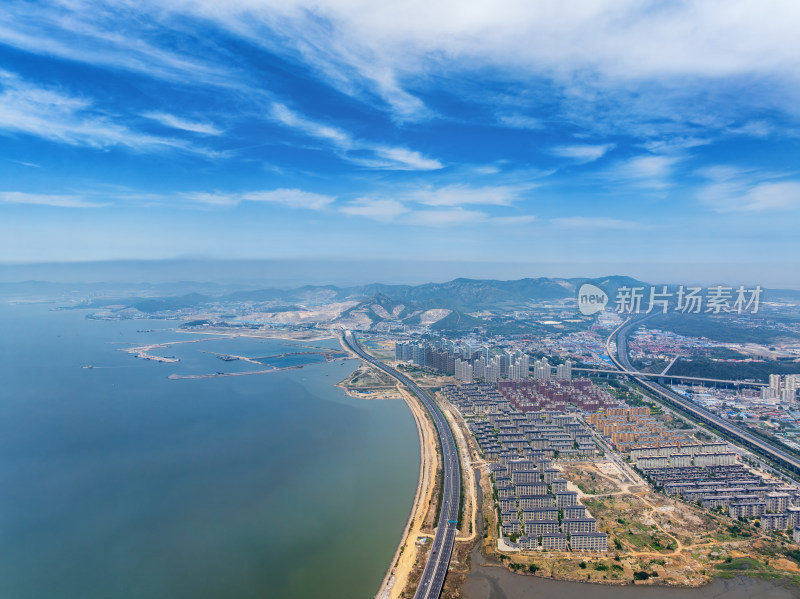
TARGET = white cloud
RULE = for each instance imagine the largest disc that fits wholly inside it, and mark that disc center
(438, 207)
(403, 159)
(583, 153)
(351, 149)
(723, 172)
(488, 169)
(758, 128)
(648, 171)
(288, 117)
(672, 145)
(461, 216)
(735, 189)
(384, 48)
(97, 33)
(292, 198)
(462, 194)
(513, 220)
(39, 199)
(445, 218)
(375, 209)
(595, 222)
(390, 51)
(782, 195)
(650, 167)
(53, 115)
(170, 120)
(625, 59)
(520, 121)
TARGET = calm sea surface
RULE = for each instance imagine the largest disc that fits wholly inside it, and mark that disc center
(116, 482)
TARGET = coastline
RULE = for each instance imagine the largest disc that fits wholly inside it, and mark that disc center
(283, 335)
(404, 561)
(405, 556)
(493, 581)
(144, 351)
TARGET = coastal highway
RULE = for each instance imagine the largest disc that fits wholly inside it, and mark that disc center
(677, 377)
(750, 441)
(432, 581)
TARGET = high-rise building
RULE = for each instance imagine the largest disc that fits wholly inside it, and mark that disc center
(463, 370)
(781, 387)
(505, 362)
(564, 371)
(769, 394)
(420, 357)
(525, 366)
(493, 370)
(541, 369)
(408, 352)
(479, 368)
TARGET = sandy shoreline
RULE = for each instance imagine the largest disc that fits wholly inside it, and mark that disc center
(284, 335)
(405, 557)
(144, 351)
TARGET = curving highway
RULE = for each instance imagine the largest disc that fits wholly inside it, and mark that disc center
(750, 441)
(432, 581)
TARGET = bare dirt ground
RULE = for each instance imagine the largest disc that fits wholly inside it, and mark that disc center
(676, 543)
(368, 383)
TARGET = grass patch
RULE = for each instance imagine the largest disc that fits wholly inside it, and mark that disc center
(741, 564)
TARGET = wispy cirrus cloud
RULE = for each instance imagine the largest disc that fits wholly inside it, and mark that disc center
(385, 51)
(596, 223)
(386, 55)
(735, 189)
(393, 211)
(106, 35)
(582, 153)
(445, 218)
(292, 198)
(520, 121)
(448, 205)
(43, 199)
(52, 114)
(176, 122)
(463, 194)
(384, 210)
(379, 156)
(105, 197)
(674, 144)
(647, 171)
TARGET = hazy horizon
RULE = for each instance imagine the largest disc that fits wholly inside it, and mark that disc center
(286, 273)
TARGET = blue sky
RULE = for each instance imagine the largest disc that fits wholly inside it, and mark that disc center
(609, 131)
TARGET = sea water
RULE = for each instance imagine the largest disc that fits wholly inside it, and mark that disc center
(117, 482)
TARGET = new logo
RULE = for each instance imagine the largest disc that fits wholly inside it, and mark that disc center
(591, 299)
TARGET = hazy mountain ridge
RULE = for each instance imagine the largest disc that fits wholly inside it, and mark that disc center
(449, 302)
